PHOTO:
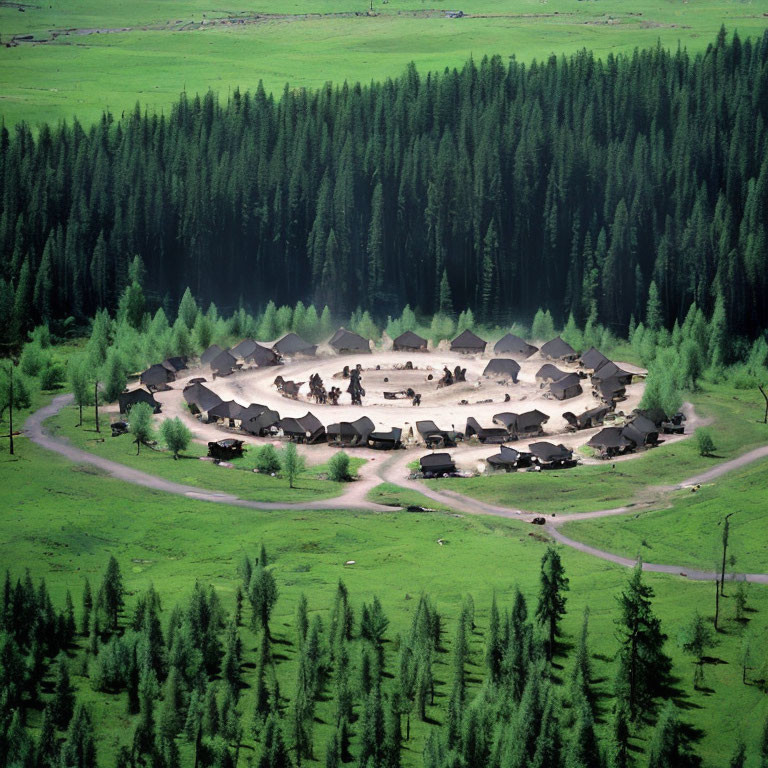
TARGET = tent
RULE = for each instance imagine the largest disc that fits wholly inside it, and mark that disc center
(508, 420)
(305, 429)
(437, 464)
(210, 354)
(594, 417)
(225, 450)
(641, 431)
(609, 390)
(610, 370)
(483, 434)
(514, 346)
(224, 363)
(432, 435)
(386, 440)
(509, 459)
(567, 387)
(346, 342)
(549, 373)
(175, 364)
(354, 433)
(502, 368)
(259, 422)
(409, 342)
(262, 357)
(610, 442)
(557, 349)
(549, 455)
(127, 400)
(157, 376)
(531, 423)
(202, 397)
(243, 349)
(292, 344)
(226, 409)
(468, 343)
(593, 359)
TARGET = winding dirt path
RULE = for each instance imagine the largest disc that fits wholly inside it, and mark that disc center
(394, 471)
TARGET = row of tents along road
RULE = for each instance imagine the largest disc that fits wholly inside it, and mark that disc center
(261, 421)
(540, 455)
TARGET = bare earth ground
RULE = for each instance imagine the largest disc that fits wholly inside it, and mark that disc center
(439, 405)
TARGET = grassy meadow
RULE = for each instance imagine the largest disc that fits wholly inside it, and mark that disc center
(240, 480)
(736, 428)
(63, 521)
(150, 51)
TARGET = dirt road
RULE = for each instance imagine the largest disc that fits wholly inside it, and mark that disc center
(392, 470)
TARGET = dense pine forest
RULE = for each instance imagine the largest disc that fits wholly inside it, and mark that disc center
(570, 184)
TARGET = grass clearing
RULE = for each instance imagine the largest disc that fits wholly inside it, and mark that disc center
(689, 532)
(85, 74)
(241, 480)
(735, 428)
(63, 521)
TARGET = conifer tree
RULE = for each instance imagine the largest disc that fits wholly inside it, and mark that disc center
(109, 600)
(551, 605)
(63, 702)
(79, 747)
(262, 594)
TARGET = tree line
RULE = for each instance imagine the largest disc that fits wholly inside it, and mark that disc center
(195, 692)
(571, 184)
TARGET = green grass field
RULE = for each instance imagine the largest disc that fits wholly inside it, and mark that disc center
(737, 427)
(63, 521)
(689, 532)
(240, 481)
(84, 74)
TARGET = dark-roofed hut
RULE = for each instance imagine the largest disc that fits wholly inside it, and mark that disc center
(433, 436)
(292, 345)
(175, 364)
(502, 368)
(201, 397)
(224, 363)
(550, 456)
(557, 349)
(409, 342)
(594, 417)
(593, 359)
(227, 410)
(346, 342)
(157, 377)
(306, 429)
(126, 400)
(225, 450)
(509, 459)
(567, 387)
(610, 442)
(507, 420)
(243, 349)
(531, 423)
(549, 373)
(386, 441)
(485, 434)
(468, 343)
(210, 354)
(259, 423)
(351, 433)
(609, 391)
(435, 464)
(610, 370)
(641, 431)
(514, 346)
(262, 357)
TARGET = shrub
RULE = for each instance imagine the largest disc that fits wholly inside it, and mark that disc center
(267, 459)
(338, 468)
(51, 374)
(176, 435)
(705, 442)
(32, 359)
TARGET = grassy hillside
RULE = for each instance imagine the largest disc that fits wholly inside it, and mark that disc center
(64, 521)
(117, 53)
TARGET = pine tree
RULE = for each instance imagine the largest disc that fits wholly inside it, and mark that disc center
(618, 748)
(653, 311)
(63, 702)
(109, 600)
(643, 665)
(188, 310)
(172, 711)
(551, 605)
(666, 748)
(262, 594)
(79, 748)
(445, 300)
(47, 752)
